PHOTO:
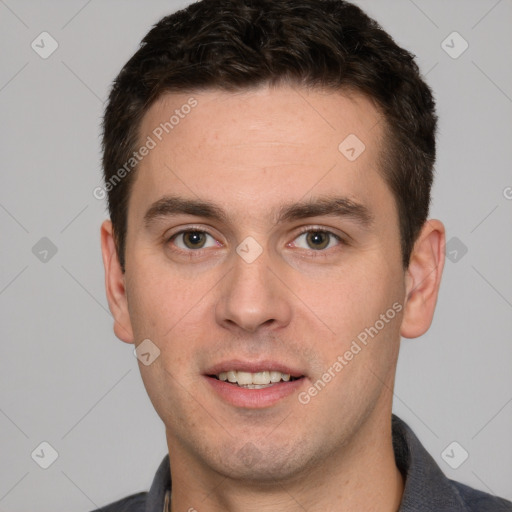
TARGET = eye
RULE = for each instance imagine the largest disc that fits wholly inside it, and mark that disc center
(317, 240)
(193, 239)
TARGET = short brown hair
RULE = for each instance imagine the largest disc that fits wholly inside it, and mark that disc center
(236, 44)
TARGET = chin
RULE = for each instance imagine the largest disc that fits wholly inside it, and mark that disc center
(262, 465)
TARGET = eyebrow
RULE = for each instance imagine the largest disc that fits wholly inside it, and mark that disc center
(170, 206)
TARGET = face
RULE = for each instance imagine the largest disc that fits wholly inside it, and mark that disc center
(260, 242)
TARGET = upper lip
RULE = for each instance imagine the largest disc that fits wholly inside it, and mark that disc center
(253, 367)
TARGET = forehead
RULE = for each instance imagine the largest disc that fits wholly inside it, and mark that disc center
(254, 147)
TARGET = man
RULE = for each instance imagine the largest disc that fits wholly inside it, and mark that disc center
(269, 166)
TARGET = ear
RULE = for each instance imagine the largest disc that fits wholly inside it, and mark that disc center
(114, 285)
(423, 278)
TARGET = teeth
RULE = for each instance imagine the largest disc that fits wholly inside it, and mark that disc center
(253, 380)
(244, 378)
(275, 376)
(261, 378)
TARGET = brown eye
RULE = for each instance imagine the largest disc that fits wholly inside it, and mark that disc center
(317, 240)
(192, 239)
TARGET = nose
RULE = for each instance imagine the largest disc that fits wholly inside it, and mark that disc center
(252, 296)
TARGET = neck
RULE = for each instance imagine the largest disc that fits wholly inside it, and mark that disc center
(361, 476)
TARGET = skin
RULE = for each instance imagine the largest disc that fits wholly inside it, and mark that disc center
(250, 153)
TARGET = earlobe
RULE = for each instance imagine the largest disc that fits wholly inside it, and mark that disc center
(115, 285)
(423, 278)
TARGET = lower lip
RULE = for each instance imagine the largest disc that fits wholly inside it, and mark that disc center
(254, 398)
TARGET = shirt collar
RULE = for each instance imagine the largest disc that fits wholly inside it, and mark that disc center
(167, 500)
(161, 484)
(427, 489)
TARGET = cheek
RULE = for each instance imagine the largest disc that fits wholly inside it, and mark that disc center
(170, 310)
(156, 297)
(360, 302)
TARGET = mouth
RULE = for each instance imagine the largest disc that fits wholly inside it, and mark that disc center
(258, 380)
(254, 385)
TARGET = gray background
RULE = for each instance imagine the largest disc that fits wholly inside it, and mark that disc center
(64, 377)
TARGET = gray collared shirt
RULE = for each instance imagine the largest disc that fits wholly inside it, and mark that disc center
(427, 489)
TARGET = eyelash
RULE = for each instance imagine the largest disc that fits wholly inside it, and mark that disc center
(318, 253)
